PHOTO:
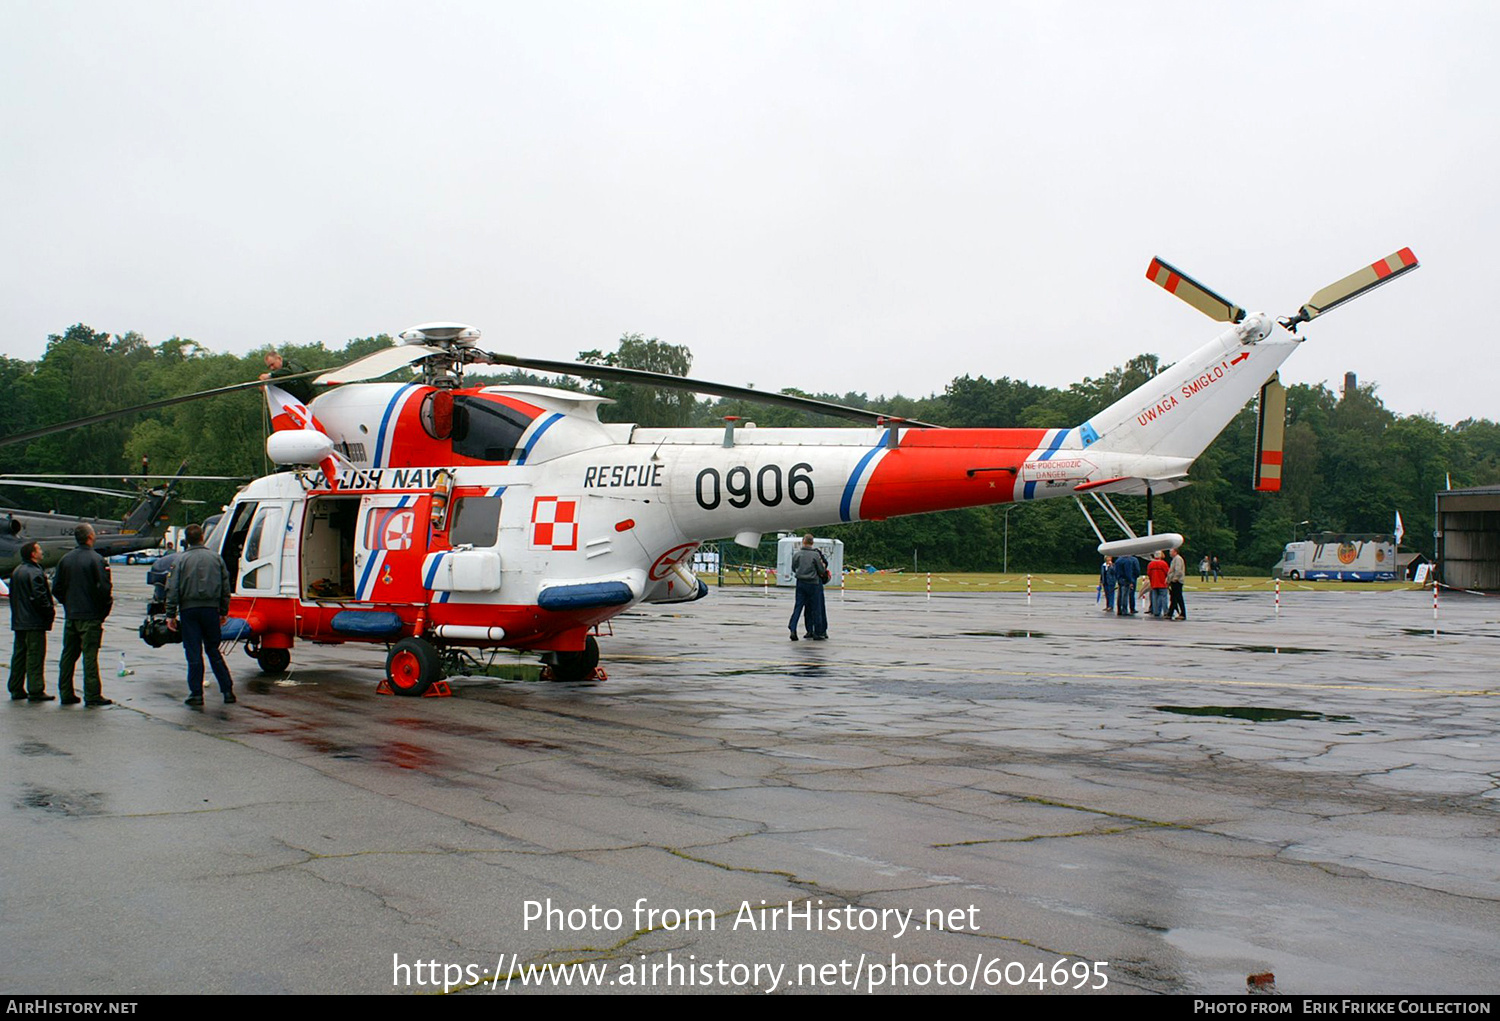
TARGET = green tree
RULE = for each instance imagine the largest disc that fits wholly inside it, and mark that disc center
(644, 405)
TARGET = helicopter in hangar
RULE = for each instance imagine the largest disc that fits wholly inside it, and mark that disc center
(439, 518)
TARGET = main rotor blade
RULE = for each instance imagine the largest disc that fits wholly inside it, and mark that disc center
(126, 477)
(1353, 285)
(378, 363)
(662, 380)
(1210, 303)
(33, 484)
(107, 416)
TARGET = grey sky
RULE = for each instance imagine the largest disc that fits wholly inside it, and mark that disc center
(837, 196)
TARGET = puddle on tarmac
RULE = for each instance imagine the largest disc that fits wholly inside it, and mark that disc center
(1275, 650)
(54, 802)
(1255, 714)
(1014, 633)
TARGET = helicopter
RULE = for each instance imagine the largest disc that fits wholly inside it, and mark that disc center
(438, 518)
(142, 527)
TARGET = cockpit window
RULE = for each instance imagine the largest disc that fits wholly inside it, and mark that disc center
(487, 430)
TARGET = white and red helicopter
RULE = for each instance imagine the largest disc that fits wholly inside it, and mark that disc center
(439, 518)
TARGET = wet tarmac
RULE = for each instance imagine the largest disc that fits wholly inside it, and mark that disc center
(1314, 794)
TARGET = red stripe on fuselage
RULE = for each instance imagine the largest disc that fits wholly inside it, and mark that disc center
(526, 627)
(929, 470)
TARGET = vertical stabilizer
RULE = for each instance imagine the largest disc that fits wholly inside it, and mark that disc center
(1179, 412)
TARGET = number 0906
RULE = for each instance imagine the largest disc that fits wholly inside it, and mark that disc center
(739, 488)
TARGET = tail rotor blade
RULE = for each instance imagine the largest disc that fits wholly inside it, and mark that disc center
(1210, 303)
(1353, 285)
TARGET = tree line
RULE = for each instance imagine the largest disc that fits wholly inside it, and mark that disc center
(1350, 463)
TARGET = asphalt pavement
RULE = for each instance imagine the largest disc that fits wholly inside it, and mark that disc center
(965, 793)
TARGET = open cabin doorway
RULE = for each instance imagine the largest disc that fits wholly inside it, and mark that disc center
(328, 536)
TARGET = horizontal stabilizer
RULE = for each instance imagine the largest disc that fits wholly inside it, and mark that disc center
(1141, 546)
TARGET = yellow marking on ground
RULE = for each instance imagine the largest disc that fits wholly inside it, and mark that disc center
(1059, 675)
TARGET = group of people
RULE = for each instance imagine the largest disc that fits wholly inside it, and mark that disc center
(196, 593)
(1163, 573)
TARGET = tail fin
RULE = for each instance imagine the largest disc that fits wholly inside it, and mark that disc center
(1180, 411)
(148, 517)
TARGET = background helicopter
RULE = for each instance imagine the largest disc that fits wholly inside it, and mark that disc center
(141, 529)
(446, 517)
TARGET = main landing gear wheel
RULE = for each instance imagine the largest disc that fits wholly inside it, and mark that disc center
(577, 666)
(412, 666)
(273, 661)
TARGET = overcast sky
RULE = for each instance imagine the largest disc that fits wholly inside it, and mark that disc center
(838, 196)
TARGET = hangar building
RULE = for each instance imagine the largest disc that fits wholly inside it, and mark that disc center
(1468, 538)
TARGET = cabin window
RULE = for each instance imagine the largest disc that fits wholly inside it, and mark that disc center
(487, 430)
(475, 521)
(267, 525)
(234, 541)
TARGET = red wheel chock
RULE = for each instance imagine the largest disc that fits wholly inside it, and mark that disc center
(439, 689)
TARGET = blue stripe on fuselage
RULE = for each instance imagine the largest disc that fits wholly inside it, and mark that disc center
(390, 409)
(853, 482)
(525, 453)
(1046, 455)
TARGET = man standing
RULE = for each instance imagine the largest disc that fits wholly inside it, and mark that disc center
(1108, 580)
(31, 616)
(157, 577)
(1127, 570)
(1175, 575)
(810, 571)
(1157, 570)
(198, 591)
(82, 584)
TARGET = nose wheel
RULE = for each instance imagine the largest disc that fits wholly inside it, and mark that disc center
(271, 661)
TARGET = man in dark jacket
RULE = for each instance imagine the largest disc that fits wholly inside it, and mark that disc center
(809, 569)
(82, 584)
(31, 616)
(198, 602)
(1127, 570)
(278, 368)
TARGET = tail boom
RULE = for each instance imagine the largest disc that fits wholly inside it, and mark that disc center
(1179, 412)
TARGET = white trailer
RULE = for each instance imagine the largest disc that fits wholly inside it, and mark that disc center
(832, 550)
(1334, 556)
